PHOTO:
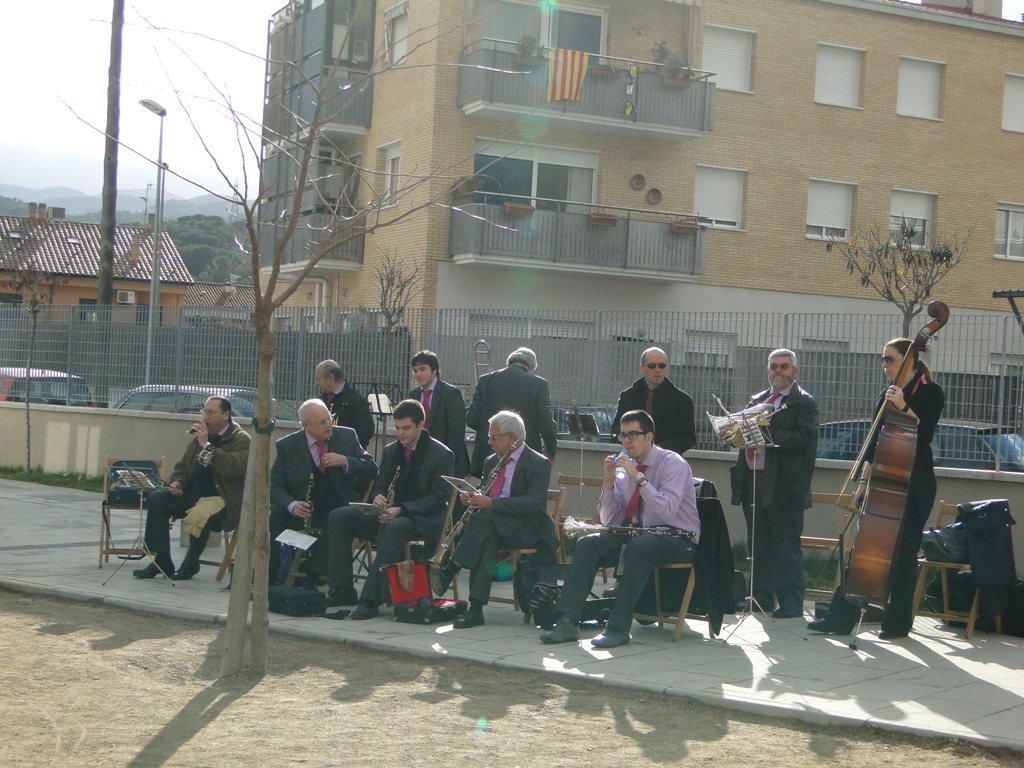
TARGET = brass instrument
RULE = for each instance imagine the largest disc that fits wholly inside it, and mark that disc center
(444, 548)
(574, 529)
(307, 523)
(482, 357)
(743, 429)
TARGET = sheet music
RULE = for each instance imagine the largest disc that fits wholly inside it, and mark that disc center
(134, 479)
(460, 485)
(297, 539)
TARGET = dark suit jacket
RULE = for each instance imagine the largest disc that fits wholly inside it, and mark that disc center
(350, 409)
(448, 421)
(527, 506)
(674, 429)
(289, 477)
(420, 492)
(516, 389)
(786, 479)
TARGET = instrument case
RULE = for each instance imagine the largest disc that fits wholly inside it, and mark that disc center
(296, 601)
(410, 595)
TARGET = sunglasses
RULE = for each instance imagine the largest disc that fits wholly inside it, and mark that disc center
(652, 366)
(888, 360)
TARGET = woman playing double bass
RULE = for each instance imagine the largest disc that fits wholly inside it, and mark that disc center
(922, 399)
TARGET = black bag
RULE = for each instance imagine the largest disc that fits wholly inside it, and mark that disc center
(544, 598)
(296, 601)
(946, 545)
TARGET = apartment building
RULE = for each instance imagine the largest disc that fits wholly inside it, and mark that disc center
(714, 149)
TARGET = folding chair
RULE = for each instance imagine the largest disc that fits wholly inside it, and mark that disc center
(828, 544)
(556, 501)
(118, 494)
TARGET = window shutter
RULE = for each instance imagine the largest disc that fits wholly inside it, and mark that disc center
(1013, 103)
(918, 93)
(727, 53)
(719, 194)
(829, 204)
(911, 205)
(838, 76)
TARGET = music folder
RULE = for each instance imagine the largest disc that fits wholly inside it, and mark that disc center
(582, 424)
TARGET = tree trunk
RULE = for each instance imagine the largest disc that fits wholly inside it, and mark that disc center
(108, 217)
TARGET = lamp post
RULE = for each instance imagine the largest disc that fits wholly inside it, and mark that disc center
(154, 283)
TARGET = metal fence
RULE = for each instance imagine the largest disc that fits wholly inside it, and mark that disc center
(587, 356)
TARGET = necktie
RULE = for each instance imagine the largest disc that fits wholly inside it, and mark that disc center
(499, 481)
(633, 507)
(408, 454)
(772, 400)
(426, 407)
(650, 402)
(321, 449)
(329, 397)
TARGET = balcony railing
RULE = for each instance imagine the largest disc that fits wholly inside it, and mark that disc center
(605, 240)
(344, 115)
(311, 234)
(492, 84)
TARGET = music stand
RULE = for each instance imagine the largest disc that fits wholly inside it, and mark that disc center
(380, 407)
(582, 426)
(138, 481)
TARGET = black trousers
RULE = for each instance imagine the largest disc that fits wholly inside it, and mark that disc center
(601, 550)
(482, 539)
(778, 558)
(162, 508)
(347, 523)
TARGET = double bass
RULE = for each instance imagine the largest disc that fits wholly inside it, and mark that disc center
(869, 574)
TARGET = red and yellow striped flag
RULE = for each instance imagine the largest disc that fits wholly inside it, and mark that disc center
(566, 70)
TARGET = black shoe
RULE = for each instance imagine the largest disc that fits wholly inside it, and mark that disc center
(887, 634)
(186, 572)
(612, 591)
(338, 596)
(151, 572)
(565, 631)
(440, 577)
(828, 627)
(470, 619)
(611, 638)
(787, 613)
(366, 609)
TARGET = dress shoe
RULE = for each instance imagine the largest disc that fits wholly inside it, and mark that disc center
(470, 619)
(787, 613)
(612, 591)
(440, 577)
(611, 638)
(564, 631)
(186, 572)
(828, 627)
(887, 634)
(338, 596)
(366, 609)
(151, 572)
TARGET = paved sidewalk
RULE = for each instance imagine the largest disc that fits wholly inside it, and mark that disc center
(933, 683)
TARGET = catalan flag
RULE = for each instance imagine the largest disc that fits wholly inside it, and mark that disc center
(566, 70)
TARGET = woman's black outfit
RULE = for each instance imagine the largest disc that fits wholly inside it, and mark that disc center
(926, 399)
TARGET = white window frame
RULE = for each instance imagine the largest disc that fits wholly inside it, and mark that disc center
(919, 88)
(829, 209)
(1012, 211)
(914, 206)
(718, 195)
(1013, 102)
(729, 53)
(837, 75)
(392, 174)
(396, 32)
(546, 32)
(549, 155)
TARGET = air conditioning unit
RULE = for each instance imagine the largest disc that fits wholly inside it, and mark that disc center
(126, 297)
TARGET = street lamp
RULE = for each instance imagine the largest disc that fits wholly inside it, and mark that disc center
(154, 283)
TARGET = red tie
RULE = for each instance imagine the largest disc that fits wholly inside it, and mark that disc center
(321, 449)
(408, 454)
(329, 397)
(633, 507)
(650, 402)
(499, 481)
(772, 399)
(426, 407)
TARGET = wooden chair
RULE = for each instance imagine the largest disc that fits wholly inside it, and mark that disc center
(679, 618)
(358, 546)
(107, 546)
(946, 514)
(828, 544)
(567, 482)
(556, 501)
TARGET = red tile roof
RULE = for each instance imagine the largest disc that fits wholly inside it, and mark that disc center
(220, 295)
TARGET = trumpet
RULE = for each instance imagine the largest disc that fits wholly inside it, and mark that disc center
(743, 428)
(574, 529)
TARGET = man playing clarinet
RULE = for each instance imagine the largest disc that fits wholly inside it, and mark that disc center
(656, 490)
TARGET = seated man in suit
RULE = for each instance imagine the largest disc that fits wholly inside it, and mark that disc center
(322, 463)
(444, 407)
(655, 491)
(509, 511)
(213, 467)
(414, 498)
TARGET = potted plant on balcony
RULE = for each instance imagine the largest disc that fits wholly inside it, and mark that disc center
(675, 74)
(467, 186)
(518, 208)
(604, 70)
(602, 218)
(684, 227)
(527, 51)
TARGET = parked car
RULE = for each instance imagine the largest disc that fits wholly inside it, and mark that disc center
(189, 398)
(965, 445)
(49, 387)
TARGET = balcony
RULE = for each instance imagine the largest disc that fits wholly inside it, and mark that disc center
(493, 85)
(344, 115)
(312, 233)
(602, 240)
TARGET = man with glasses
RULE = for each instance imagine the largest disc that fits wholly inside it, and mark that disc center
(669, 407)
(655, 491)
(317, 469)
(508, 512)
(205, 488)
(781, 477)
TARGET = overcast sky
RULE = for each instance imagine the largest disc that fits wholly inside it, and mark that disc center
(55, 57)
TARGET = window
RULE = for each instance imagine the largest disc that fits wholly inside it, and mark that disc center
(1013, 103)
(919, 87)
(718, 195)
(579, 28)
(837, 79)
(829, 205)
(1009, 231)
(911, 211)
(728, 53)
(392, 174)
(396, 31)
(562, 176)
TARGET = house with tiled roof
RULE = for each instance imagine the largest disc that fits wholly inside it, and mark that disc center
(70, 250)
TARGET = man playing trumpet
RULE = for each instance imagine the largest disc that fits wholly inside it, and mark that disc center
(655, 491)
(509, 511)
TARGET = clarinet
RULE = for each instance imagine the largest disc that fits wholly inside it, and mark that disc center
(307, 523)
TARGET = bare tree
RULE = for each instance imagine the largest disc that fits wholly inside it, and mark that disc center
(900, 265)
(108, 218)
(397, 284)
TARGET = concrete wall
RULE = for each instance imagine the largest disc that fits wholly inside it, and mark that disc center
(80, 439)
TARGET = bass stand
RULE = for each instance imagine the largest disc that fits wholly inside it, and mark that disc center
(380, 407)
(582, 426)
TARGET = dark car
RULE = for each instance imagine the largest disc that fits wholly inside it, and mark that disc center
(44, 386)
(966, 445)
(168, 398)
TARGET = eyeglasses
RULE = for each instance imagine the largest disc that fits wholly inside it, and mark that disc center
(321, 423)
(208, 412)
(624, 436)
(888, 360)
(779, 366)
(652, 366)
(492, 438)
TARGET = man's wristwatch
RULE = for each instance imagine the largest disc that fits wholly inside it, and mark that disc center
(640, 480)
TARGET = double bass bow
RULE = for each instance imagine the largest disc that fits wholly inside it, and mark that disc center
(869, 574)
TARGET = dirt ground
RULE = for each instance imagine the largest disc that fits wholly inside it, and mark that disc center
(94, 686)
